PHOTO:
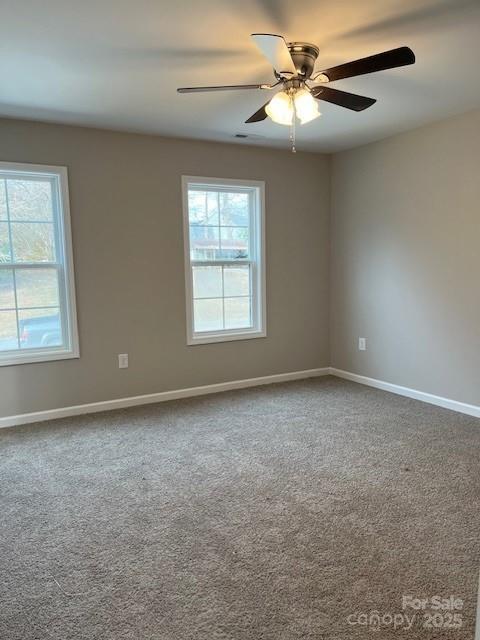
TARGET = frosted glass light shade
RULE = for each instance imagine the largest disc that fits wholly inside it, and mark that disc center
(280, 109)
(306, 106)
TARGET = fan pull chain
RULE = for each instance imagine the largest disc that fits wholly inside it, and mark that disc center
(292, 128)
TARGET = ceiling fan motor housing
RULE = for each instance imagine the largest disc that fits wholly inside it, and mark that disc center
(304, 56)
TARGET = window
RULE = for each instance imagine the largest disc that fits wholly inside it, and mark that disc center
(224, 259)
(37, 300)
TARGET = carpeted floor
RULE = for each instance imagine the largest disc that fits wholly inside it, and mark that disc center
(282, 512)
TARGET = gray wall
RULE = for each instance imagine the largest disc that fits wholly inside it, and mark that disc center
(128, 249)
(405, 259)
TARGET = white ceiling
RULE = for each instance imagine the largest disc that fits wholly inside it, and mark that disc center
(117, 63)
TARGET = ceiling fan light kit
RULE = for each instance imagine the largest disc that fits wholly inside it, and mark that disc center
(301, 87)
(285, 105)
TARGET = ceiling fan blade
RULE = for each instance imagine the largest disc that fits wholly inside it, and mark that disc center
(259, 115)
(379, 62)
(231, 87)
(275, 50)
(342, 98)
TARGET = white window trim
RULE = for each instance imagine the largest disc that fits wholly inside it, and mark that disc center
(260, 328)
(69, 308)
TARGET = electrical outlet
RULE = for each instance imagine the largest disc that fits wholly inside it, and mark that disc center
(123, 360)
(362, 344)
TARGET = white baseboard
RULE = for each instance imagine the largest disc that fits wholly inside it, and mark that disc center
(163, 396)
(446, 403)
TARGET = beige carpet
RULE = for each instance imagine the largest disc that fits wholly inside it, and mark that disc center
(283, 512)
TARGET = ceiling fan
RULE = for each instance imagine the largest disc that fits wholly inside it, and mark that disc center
(293, 66)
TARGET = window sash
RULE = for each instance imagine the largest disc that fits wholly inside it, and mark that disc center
(253, 295)
(62, 306)
(62, 265)
(255, 261)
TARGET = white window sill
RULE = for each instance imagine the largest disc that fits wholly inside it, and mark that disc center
(224, 336)
(9, 359)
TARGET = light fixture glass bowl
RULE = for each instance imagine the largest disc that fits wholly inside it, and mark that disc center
(306, 107)
(280, 108)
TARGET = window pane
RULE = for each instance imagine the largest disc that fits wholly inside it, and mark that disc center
(5, 254)
(40, 328)
(237, 313)
(7, 293)
(8, 330)
(203, 207)
(37, 287)
(234, 242)
(30, 199)
(196, 207)
(3, 201)
(208, 314)
(234, 209)
(237, 281)
(204, 243)
(207, 282)
(33, 242)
